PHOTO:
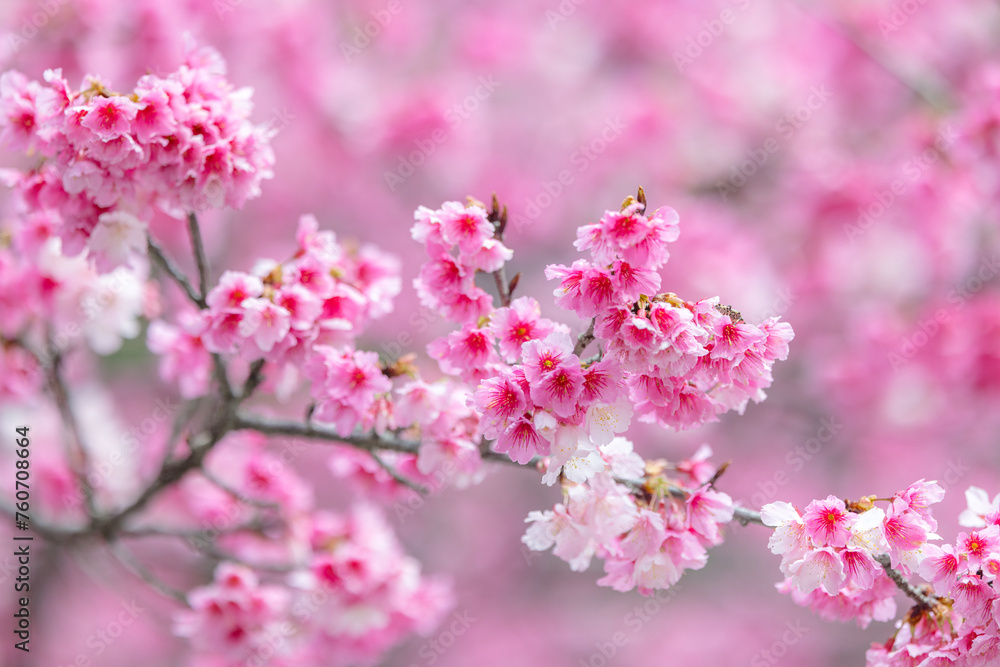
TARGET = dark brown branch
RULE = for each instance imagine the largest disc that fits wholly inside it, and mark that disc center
(313, 431)
(199, 254)
(170, 473)
(500, 278)
(253, 380)
(419, 488)
(167, 265)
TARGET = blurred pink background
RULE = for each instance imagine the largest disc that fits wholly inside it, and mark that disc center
(772, 128)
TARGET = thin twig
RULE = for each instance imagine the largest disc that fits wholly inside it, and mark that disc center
(368, 443)
(222, 377)
(254, 379)
(585, 339)
(76, 453)
(503, 290)
(745, 516)
(184, 416)
(169, 474)
(254, 526)
(931, 94)
(314, 431)
(172, 270)
(132, 564)
(419, 488)
(217, 554)
(199, 254)
(243, 498)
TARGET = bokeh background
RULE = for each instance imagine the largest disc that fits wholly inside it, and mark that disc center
(833, 162)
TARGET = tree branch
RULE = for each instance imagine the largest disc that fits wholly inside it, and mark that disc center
(419, 488)
(902, 584)
(76, 453)
(503, 290)
(585, 339)
(254, 379)
(270, 426)
(169, 474)
(199, 254)
(745, 516)
(167, 265)
(132, 564)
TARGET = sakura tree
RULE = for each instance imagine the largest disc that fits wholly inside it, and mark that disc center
(302, 395)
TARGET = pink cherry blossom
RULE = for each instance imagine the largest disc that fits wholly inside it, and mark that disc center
(110, 117)
(828, 522)
(819, 568)
(521, 441)
(974, 547)
(515, 325)
(501, 401)
(233, 289)
(706, 510)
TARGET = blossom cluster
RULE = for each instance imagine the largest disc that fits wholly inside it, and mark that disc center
(47, 298)
(355, 594)
(965, 630)
(510, 375)
(460, 240)
(288, 313)
(685, 362)
(552, 404)
(648, 529)
(669, 361)
(672, 362)
(183, 142)
(235, 617)
(829, 553)
(829, 550)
